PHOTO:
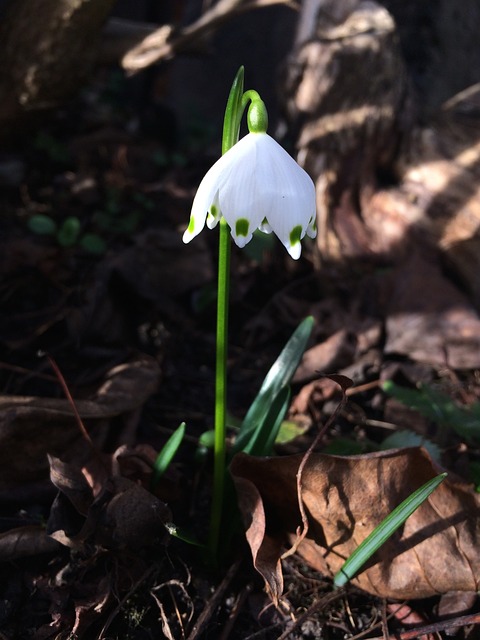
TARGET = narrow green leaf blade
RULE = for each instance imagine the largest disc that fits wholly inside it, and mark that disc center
(263, 437)
(279, 376)
(166, 455)
(384, 530)
(233, 112)
(439, 407)
(183, 534)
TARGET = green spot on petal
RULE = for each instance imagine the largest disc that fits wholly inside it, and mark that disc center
(295, 235)
(241, 227)
(213, 210)
(191, 225)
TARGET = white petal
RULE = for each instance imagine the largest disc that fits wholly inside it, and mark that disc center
(312, 228)
(240, 190)
(256, 184)
(295, 250)
(289, 200)
(214, 213)
(204, 198)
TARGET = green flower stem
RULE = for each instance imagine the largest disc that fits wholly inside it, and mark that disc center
(257, 121)
(220, 385)
(231, 128)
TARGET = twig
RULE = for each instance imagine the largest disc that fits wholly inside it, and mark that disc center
(213, 603)
(240, 601)
(165, 623)
(128, 595)
(319, 604)
(165, 41)
(84, 433)
(436, 627)
(70, 399)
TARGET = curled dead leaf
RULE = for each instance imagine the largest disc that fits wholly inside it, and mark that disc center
(124, 515)
(436, 551)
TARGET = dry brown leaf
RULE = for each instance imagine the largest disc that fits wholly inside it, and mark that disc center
(123, 515)
(157, 265)
(333, 354)
(429, 319)
(31, 427)
(71, 481)
(89, 608)
(25, 541)
(436, 551)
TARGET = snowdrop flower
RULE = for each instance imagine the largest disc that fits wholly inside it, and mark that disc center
(256, 185)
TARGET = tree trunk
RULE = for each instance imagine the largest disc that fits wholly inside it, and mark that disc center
(384, 180)
(47, 50)
(346, 91)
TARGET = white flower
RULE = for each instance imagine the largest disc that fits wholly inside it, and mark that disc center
(256, 185)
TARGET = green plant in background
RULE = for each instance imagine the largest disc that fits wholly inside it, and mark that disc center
(67, 234)
(168, 452)
(115, 219)
(439, 407)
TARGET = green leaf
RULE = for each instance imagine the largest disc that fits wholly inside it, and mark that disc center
(264, 436)
(207, 439)
(69, 232)
(341, 446)
(290, 430)
(385, 530)
(233, 112)
(166, 455)
(279, 376)
(405, 438)
(42, 225)
(93, 243)
(440, 408)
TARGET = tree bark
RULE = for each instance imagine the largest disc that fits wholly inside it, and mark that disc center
(347, 96)
(386, 180)
(47, 50)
